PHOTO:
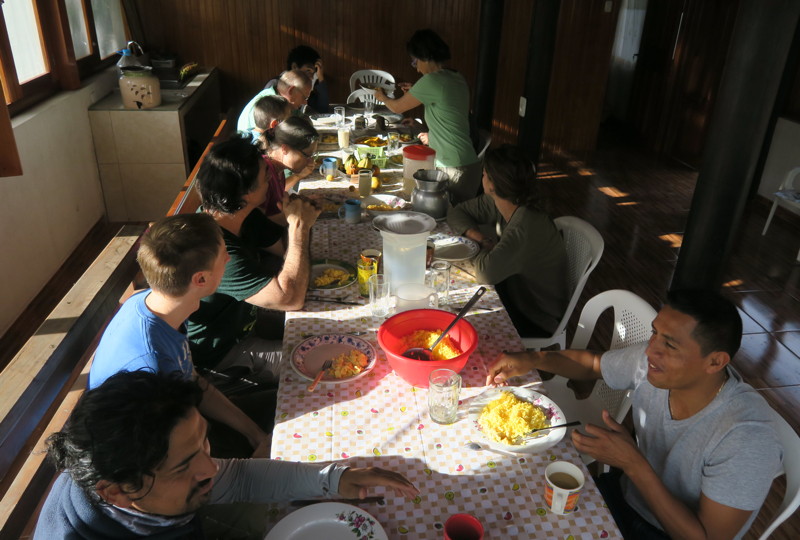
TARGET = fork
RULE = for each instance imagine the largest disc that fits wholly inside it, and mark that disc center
(529, 435)
(323, 369)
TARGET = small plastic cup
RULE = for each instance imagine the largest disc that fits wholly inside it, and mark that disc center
(463, 527)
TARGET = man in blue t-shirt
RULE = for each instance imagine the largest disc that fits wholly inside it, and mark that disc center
(705, 451)
(183, 259)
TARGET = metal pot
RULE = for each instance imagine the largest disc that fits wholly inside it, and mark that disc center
(430, 195)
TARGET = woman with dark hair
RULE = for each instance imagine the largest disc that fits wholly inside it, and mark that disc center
(445, 94)
(289, 145)
(527, 262)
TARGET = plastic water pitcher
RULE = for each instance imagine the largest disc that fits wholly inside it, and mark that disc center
(416, 157)
(404, 258)
(405, 236)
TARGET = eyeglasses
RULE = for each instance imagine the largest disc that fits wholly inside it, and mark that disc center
(305, 96)
(307, 156)
(414, 63)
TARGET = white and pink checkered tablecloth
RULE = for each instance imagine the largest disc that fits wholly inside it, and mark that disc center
(380, 420)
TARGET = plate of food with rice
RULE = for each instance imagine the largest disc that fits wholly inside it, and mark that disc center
(331, 274)
(505, 417)
(351, 357)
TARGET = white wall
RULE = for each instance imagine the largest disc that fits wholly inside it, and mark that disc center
(46, 212)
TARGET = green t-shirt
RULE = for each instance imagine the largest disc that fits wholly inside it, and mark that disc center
(445, 95)
(224, 317)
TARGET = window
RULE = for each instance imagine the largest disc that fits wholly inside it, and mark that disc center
(48, 45)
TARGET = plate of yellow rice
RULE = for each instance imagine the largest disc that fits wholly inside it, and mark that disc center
(351, 357)
(502, 417)
(331, 274)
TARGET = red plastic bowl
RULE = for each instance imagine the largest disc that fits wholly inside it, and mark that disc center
(415, 372)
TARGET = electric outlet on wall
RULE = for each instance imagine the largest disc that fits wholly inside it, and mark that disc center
(522, 104)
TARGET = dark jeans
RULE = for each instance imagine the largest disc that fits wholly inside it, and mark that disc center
(630, 523)
(229, 443)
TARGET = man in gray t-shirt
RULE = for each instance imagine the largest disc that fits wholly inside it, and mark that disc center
(705, 451)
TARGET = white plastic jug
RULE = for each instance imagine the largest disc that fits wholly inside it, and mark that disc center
(405, 236)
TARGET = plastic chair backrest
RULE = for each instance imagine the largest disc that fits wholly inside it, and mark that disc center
(632, 324)
(791, 467)
(372, 77)
(791, 178)
(484, 140)
(584, 248)
(363, 96)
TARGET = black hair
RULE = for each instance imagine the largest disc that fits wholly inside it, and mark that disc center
(513, 175)
(228, 173)
(719, 325)
(270, 108)
(428, 46)
(302, 55)
(119, 432)
(295, 132)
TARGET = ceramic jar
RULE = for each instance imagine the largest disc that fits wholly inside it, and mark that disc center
(139, 87)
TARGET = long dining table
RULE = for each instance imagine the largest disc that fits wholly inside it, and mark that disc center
(380, 420)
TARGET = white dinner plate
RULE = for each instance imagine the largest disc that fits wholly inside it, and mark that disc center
(318, 267)
(311, 353)
(397, 203)
(547, 439)
(328, 521)
(404, 222)
(391, 118)
(453, 248)
(324, 119)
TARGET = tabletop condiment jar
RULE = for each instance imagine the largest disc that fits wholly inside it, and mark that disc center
(139, 87)
(430, 195)
(416, 157)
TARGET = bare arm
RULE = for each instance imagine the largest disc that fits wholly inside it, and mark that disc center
(573, 364)
(399, 105)
(613, 445)
(215, 405)
(287, 290)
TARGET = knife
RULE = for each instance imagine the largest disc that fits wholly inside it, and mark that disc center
(306, 502)
(332, 301)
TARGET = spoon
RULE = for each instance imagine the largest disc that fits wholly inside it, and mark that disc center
(472, 445)
(426, 353)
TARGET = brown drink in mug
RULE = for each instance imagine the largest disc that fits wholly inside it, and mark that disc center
(563, 484)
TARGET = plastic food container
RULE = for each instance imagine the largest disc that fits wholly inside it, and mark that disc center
(416, 372)
(416, 157)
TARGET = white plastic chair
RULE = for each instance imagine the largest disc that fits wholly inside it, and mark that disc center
(484, 140)
(372, 77)
(362, 96)
(787, 194)
(632, 324)
(791, 467)
(584, 249)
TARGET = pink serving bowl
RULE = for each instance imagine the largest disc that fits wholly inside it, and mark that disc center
(416, 372)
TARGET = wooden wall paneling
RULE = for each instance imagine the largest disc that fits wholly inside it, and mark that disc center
(511, 75)
(580, 71)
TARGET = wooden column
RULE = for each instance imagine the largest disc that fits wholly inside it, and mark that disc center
(488, 59)
(762, 36)
(541, 47)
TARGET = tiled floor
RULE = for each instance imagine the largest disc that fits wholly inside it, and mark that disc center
(639, 204)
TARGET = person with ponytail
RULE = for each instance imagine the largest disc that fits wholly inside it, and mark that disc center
(291, 145)
(522, 253)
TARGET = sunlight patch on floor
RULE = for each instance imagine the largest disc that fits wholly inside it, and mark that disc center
(674, 240)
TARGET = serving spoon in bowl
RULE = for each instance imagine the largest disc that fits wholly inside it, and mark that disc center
(426, 353)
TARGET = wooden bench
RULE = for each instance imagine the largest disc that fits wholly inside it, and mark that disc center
(45, 379)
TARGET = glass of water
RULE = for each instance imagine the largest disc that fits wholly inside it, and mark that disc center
(443, 393)
(369, 110)
(379, 297)
(438, 279)
(341, 119)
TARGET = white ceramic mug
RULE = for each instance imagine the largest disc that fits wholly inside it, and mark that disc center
(415, 296)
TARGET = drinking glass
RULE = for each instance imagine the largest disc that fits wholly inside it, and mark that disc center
(443, 392)
(394, 142)
(438, 279)
(369, 110)
(341, 119)
(364, 182)
(379, 296)
(343, 133)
